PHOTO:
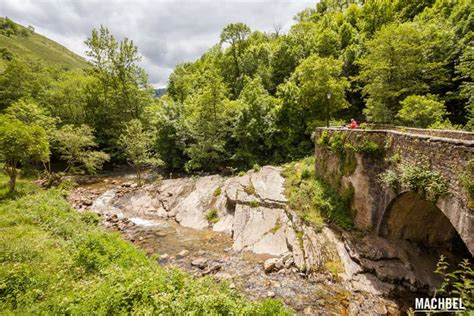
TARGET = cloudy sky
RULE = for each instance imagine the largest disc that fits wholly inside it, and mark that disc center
(166, 32)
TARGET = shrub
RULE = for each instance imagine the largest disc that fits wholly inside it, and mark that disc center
(217, 191)
(467, 180)
(213, 216)
(446, 124)
(256, 167)
(337, 141)
(421, 111)
(305, 174)
(389, 179)
(323, 139)
(312, 199)
(250, 189)
(369, 147)
(457, 283)
(417, 177)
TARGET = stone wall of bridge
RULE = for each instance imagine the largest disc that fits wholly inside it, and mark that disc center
(344, 161)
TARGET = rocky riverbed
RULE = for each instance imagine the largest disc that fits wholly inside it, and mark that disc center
(240, 229)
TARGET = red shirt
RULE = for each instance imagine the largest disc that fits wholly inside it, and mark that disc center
(353, 124)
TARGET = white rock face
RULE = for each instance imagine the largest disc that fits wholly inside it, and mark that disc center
(190, 211)
(269, 185)
(259, 230)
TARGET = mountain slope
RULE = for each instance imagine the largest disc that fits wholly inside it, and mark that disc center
(20, 41)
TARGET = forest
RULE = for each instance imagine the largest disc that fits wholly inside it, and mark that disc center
(252, 99)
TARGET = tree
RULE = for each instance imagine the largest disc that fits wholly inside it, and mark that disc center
(166, 119)
(28, 111)
(235, 35)
(402, 60)
(20, 144)
(75, 146)
(321, 87)
(206, 123)
(22, 77)
(121, 91)
(422, 111)
(255, 124)
(136, 144)
(68, 97)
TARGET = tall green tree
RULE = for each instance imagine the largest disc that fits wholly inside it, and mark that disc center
(255, 125)
(68, 97)
(20, 144)
(313, 95)
(206, 122)
(166, 119)
(75, 146)
(321, 88)
(22, 77)
(137, 145)
(421, 111)
(403, 59)
(235, 35)
(121, 91)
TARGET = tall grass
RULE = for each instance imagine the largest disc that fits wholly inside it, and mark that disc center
(54, 260)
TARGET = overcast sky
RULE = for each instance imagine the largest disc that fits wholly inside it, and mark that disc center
(166, 32)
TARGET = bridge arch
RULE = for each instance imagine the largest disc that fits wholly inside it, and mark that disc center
(410, 217)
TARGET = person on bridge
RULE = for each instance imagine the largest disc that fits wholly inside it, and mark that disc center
(353, 124)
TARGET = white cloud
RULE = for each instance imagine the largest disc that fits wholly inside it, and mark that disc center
(166, 32)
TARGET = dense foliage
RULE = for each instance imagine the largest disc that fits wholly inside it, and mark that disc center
(314, 200)
(255, 98)
(79, 269)
(397, 62)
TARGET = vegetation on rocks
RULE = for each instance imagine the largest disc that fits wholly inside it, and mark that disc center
(78, 268)
(312, 199)
(213, 216)
(418, 178)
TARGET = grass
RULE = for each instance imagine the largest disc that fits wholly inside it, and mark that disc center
(254, 203)
(276, 227)
(43, 48)
(312, 199)
(217, 192)
(250, 189)
(213, 216)
(334, 268)
(55, 260)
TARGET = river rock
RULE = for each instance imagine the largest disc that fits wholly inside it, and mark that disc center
(201, 263)
(270, 265)
(212, 269)
(183, 253)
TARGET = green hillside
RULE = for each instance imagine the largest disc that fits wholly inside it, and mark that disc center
(17, 40)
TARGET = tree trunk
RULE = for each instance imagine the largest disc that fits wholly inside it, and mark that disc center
(139, 177)
(10, 169)
(12, 183)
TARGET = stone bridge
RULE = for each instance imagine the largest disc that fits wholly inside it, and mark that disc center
(427, 194)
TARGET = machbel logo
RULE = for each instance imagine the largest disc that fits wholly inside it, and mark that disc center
(439, 304)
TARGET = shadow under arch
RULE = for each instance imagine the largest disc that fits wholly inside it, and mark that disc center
(410, 217)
